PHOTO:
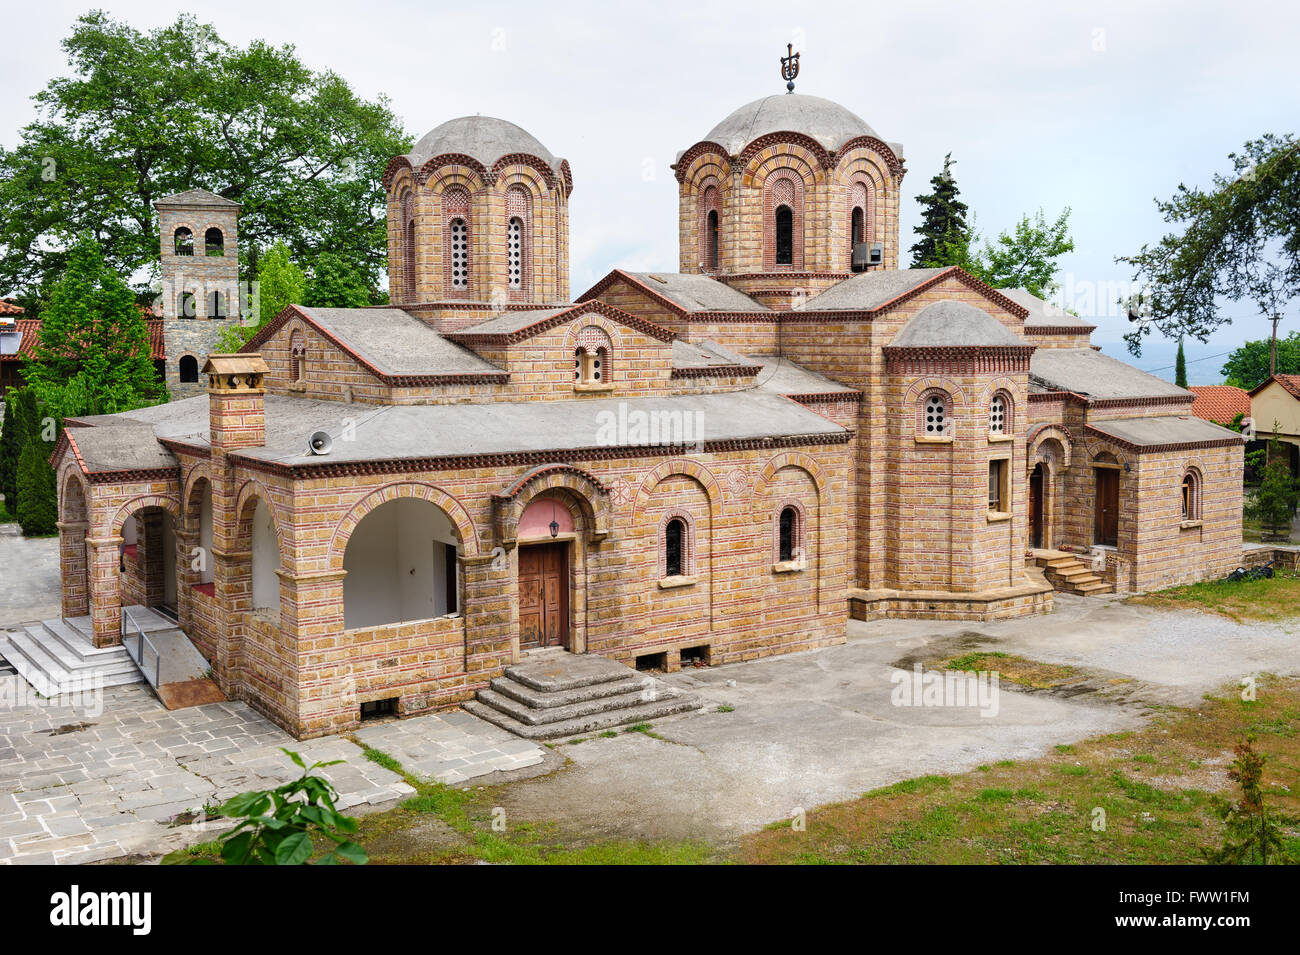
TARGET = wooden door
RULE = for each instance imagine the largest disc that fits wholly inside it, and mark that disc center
(1106, 525)
(1036, 507)
(543, 596)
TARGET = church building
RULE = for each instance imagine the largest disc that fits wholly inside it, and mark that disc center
(380, 509)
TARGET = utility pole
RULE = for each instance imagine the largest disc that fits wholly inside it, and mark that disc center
(1272, 354)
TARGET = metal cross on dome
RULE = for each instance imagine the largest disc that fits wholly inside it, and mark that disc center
(789, 67)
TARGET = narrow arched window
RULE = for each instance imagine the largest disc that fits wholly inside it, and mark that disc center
(216, 305)
(408, 261)
(183, 241)
(186, 305)
(675, 548)
(1191, 493)
(214, 243)
(859, 220)
(784, 236)
(591, 357)
(787, 528)
(998, 415)
(515, 251)
(711, 260)
(297, 353)
(459, 254)
(188, 369)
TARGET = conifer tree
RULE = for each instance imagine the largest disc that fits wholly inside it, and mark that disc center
(1180, 367)
(944, 232)
(38, 507)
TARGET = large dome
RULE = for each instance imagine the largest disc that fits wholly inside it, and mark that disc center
(829, 123)
(484, 138)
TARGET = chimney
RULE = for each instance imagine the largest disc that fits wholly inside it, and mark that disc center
(235, 408)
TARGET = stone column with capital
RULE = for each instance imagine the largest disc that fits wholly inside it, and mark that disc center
(73, 568)
(105, 590)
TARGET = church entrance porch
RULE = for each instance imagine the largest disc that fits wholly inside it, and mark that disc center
(544, 595)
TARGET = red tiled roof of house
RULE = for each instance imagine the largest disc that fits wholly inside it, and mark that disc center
(1220, 403)
(31, 330)
(9, 308)
(1290, 382)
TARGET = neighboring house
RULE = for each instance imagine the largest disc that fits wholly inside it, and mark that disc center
(1220, 403)
(18, 338)
(713, 465)
(1276, 405)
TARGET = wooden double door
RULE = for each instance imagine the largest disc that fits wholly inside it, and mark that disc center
(543, 595)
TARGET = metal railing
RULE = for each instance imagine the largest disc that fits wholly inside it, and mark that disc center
(141, 641)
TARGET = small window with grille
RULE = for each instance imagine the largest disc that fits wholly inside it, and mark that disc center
(515, 252)
(459, 254)
(935, 417)
(998, 415)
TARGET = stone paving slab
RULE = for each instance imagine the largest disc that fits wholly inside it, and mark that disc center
(451, 747)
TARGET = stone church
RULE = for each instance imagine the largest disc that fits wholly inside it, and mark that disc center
(378, 510)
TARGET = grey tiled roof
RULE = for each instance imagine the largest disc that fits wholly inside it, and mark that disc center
(388, 432)
(396, 342)
(484, 138)
(509, 322)
(1042, 312)
(1152, 432)
(950, 322)
(783, 377)
(698, 293)
(705, 353)
(1088, 372)
(195, 197)
(128, 446)
(824, 120)
(868, 290)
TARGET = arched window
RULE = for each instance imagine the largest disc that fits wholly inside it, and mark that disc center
(456, 240)
(711, 262)
(216, 305)
(1000, 414)
(297, 355)
(188, 369)
(1191, 493)
(784, 235)
(859, 216)
(183, 241)
(186, 305)
(855, 231)
(214, 243)
(783, 220)
(789, 534)
(935, 415)
(708, 225)
(675, 548)
(518, 253)
(592, 356)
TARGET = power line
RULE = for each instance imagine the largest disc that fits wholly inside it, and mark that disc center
(1193, 361)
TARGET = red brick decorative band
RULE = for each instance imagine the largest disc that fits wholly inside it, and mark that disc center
(718, 371)
(513, 489)
(470, 338)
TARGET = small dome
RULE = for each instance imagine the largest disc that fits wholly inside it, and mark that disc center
(829, 123)
(484, 138)
(948, 323)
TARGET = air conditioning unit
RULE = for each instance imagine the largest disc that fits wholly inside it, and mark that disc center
(867, 254)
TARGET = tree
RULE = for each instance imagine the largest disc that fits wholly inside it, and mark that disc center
(146, 114)
(1026, 257)
(1253, 833)
(943, 230)
(335, 283)
(1180, 367)
(1274, 503)
(1238, 240)
(280, 284)
(38, 507)
(93, 354)
(1247, 366)
(20, 418)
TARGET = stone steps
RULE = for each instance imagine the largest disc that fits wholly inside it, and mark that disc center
(555, 694)
(54, 663)
(1069, 574)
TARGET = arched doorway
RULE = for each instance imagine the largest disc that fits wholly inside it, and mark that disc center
(1037, 513)
(147, 560)
(546, 533)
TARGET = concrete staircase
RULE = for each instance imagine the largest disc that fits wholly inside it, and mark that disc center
(554, 694)
(1069, 574)
(55, 658)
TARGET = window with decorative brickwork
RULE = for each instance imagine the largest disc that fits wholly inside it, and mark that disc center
(591, 358)
(214, 242)
(935, 415)
(1000, 414)
(183, 241)
(518, 254)
(859, 215)
(515, 251)
(1191, 495)
(457, 260)
(709, 222)
(297, 355)
(459, 254)
(677, 545)
(711, 237)
(784, 235)
(783, 219)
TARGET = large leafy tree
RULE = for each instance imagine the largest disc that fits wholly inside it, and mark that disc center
(1237, 240)
(146, 114)
(280, 283)
(1026, 257)
(93, 354)
(944, 232)
(1248, 364)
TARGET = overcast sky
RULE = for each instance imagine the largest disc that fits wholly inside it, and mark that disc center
(1096, 106)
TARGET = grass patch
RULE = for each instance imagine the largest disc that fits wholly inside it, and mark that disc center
(1154, 785)
(726, 708)
(1273, 599)
(1014, 669)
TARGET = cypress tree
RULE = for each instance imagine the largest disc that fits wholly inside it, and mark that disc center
(1180, 367)
(945, 234)
(38, 507)
(19, 423)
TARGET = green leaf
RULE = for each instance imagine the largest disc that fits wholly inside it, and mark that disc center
(352, 853)
(295, 850)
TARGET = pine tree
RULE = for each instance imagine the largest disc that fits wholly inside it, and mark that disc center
(1274, 503)
(20, 421)
(93, 355)
(1180, 367)
(38, 507)
(943, 230)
